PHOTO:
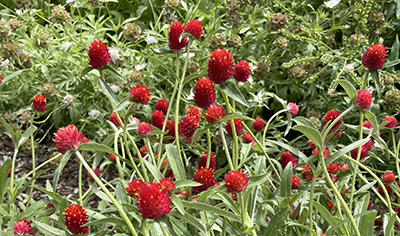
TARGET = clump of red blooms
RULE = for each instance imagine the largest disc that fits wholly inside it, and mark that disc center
(287, 157)
(175, 32)
(364, 99)
(214, 113)
(364, 150)
(203, 161)
(258, 124)
(144, 129)
(388, 177)
(293, 108)
(153, 201)
(157, 119)
(220, 66)
(140, 93)
(167, 185)
(325, 152)
(98, 55)
(133, 187)
(162, 105)
(188, 126)
(388, 189)
(333, 168)
(241, 72)
(205, 176)
(238, 126)
(75, 216)
(295, 182)
(204, 93)
(392, 122)
(375, 56)
(236, 181)
(96, 171)
(23, 227)
(247, 138)
(194, 28)
(39, 103)
(68, 138)
(112, 158)
(330, 117)
(194, 112)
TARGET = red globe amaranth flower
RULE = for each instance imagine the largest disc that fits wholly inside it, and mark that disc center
(388, 189)
(293, 108)
(140, 93)
(49, 206)
(235, 181)
(238, 126)
(258, 124)
(306, 170)
(188, 126)
(205, 176)
(133, 188)
(325, 152)
(112, 157)
(203, 161)
(364, 153)
(330, 205)
(98, 55)
(175, 32)
(75, 216)
(157, 119)
(388, 177)
(330, 117)
(295, 182)
(1, 80)
(144, 129)
(311, 144)
(170, 127)
(194, 28)
(153, 201)
(114, 120)
(167, 185)
(392, 122)
(214, 113)
(345, 167)
(364, 99)
(185, 193)
(204, 93)
(374, 57)
(333, 168)
(68, 138)
(39, 103)
(241, 72)
(162, 105)
(96, 171)
(247, 138)
(23, 227)
(220, 66)
(194, 112)
(368, 145)
(143, 150)
(287, 157)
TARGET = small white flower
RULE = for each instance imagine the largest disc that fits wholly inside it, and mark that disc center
(139, 67)
(65, 46)
(101, 132)
(115, 88)
(370, 90)
(2, 19)
(258, 98)
(184, 55)
(151, 39)
(348, 68)
(346, 26)
(190, 96)
(114, 54)
(20, 11)
(68, 100)
(332, 3)
(70, 1)
(94, 114)
(250, 80)
(4, 64)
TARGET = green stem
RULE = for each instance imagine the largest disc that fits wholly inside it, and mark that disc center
(228, 156)
(12, 175)
(121, 174)
(130, 155)
(80, 184)
(33, 158)
(44, 163)
(146, 177)
(269, 121)
(150, 148)
(242, 209)
(396, 154)
(208, 148)
(310, 208)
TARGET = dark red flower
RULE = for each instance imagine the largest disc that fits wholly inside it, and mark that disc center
(153, 201)
(330, 204)
(188, 126)
(330, 117)
(96, 171)
(214, 113)
(306, 169)
(311, 144)
(235, 181)
(185, 193)
(295, 182)
(49, 206)
(133, 188)
(388, 177)
(293, 108)
(144, 129)
(1, 79)
(68, 138)
(325, 152)
(175, 32)
(345, 167)
(364, 153)
(388, 189)
(75, 216)
(194, 28)
(220, 66)
(194, 112)
(392, 122)
(374, 57)
(39, 103)
(114, 120)
(258, 124)
(238, 126)
(143, 150)
(157, 119)
(98, 55)
(364, 99)
(333, 168)
(203, 161)
(241, 72)
(23, 227)
(287, 157)
(170, 127)
(205, 176)
(162, 105)
(204, 93)
(112, 158)
(247, 138)
(140, 93)
(167, 185)
(368, 145)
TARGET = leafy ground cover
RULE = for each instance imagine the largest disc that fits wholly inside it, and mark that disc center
(237, 117)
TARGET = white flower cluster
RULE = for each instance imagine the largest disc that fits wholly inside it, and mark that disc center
(94, 114)
(114, 54)
(151, 39)
(65, 46)
(139, 67)
(4, 64)
(332, 3)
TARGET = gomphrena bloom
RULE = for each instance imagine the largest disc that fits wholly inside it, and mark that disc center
(364, 153)
(133, 188)
(96, 171)
(153, 201)
(295, 182)
(188, 126)
(214, 113)
(194, 28)
(193, 111)
(241, 72)
(364, 99)
(205, 176)
(140, 93)
(157, 119)
(167, 185)
(388, 177)
(98, 55)
(305, 170)
(114, 119)
(374, 57)
(23, 227)
(311, 145)
(170, 127)
(39, 103)
(333, 168)
(388, 189)
(287, 157)
(235, 181)
(175, 32)
(258, 124)
(144, 129)
(75, 216)
(68, 138)
(392, 122)
(247, 138)
(330, 117)
(112, 157)
(293, 108)
(238, 126)
(162, 105)
(203, 161)
(220, 66)
(204, 93)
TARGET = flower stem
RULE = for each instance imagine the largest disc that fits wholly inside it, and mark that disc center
(80, 184)
(208, 148)
(121, 174)
(228, 156)
(269, 121)
(33, 158)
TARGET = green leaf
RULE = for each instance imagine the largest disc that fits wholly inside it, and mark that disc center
(11, 132)
(186, 183)
(194, 76)
(53, 195)
(326, 215)
(58, 171)
(388, 223)
(28, 183)
(26, 135)
(113, 71)
(375, 75)
(178, 228)
(9, 77)
(211, 209)
(139, 13)
(276, 222)
(295, 151)
(92, 146)
(122, 105)
(350, 90)
(257, 180)
(108, 92)
(310, 133)
(86, 71)
(366, 225)
(48, 230)
(178, 204)
(108, 220)
(153, 170)
(398, 9)
(372, 119)
(286, 185)
(162, 64)
(233, 92)
(346, 149)
(190, 220)
(100, 194)
(176, 162)
(4, 170)
(63, 205)
(162, 51)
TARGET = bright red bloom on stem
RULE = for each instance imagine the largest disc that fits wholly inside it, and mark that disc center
(194, 112)
(96, 171)
(368, 145)
(306, 169)
(333, 168)
(140, 93)
(287, 157)
(112, 158)
(220, 66)
(157, 119)
(235, 181)
(194, 28)
(153, 201)
(75, 216)
(1, 79)
(295, 182)
(175, 32)
(388, 177)
(68, 138)
(374, 57)
(247, 138)
(258, 124)
(388, 189)
(392, 122)
(144, 129)
(49, 206)
(170, 127)
(39, 103)
(325, 152)
(364, 153)
(133, 188)
(238, 126)
(162, 105)
(214, 113)
(364, 99)
(114, 120)
(330, 117)
(98, 55)
(23, 227)
(167, 185)
(241, 72)
(203, 161)
(188, 126)
(205, 176)
(204, 93)
(293, 108)
(143, 150)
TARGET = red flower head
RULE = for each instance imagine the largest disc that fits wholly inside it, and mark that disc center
(194, 112)
(287, 157)
(325, 152)
(311, 144)
(388, 189)
(388, 177)
(204, 176)
(144, 129)
(345, 167)
(162, 105)
(112, 158)
(295, 182)
(241, 72)
(157, 119)
(220, 66)
(368, 145)
(185, 193)
(247, 138)
(392, 122)
(114, 120)
(364, 153)
(188, 126)
(140, 93)
(75, 216)
(293, 108)
(258, 124)
(333, 168)
(235, 181)
(170, 127)
(153, 201)
(175, 32)
(39, 103)
(330, 205)
(374, 57)
(133, 188)
(68, 138)
(310, 177)
(238, 126)
(9, 173)
(98, 55)
(330, 117)
(167, 185)
(306, 169)
(203, 161)
(49, 206)
(97, 172)
(204, 93)
(23, 227)
(194, 28)
(1, 79)
(143, 150)
(364, 99)
(214, 113)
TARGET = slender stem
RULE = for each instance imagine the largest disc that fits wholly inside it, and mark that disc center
(130, 155)
(121, 174)
(208, 148)
(33, 158)
(310, 208)
(150, 148)
(242, 210)
(144, 228)
(80, 184)
(353, 182)
(228, 156)
(12, 174)
(269, 121)
(44, 163)
(146, 177)
(396, 152)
